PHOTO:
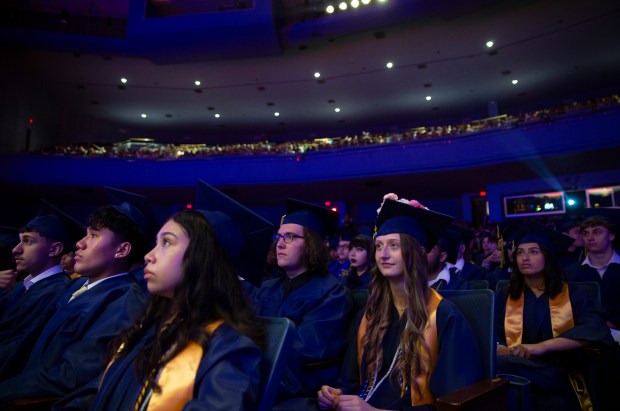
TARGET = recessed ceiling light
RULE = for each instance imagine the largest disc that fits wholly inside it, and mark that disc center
(197, 82)
(217, 115)
(428, 98)
(342, 6)
(389, 65)
(515, 81)
(365, 1)
(143, 115)
(329, 9)
(276, 114)
(489, 44)
(355, 3)
(123, 80)
(337, 109)
(317, 74)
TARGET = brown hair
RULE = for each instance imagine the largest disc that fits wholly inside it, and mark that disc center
(315, 256)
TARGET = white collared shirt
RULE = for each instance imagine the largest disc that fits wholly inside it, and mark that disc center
(30, 280)
(443, 275)
(460, 263)
(615, 258)
(90, 286)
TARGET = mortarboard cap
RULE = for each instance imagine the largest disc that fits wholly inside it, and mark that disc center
(609, 216)
(321, 220)
(244, 235)
(55, 224)
(424, 225)
(554, 241)
(450, 242)
(136, 208)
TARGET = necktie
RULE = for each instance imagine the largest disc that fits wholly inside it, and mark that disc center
(81, 290)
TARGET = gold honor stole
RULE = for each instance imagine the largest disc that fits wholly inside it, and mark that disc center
(422, 395)
(559, 307)
(178, 376)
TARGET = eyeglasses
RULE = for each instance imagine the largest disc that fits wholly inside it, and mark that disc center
(288, 237)
(343, 247)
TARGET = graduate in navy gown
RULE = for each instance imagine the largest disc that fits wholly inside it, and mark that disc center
(440, 278)
(315, 301)
(543, 322)
(42, 242)
(411, 344)
(70, 349)
(602, 264)
(198, 345)
(358, 276)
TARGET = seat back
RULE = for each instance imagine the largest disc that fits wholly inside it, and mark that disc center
(279, 338)
(478, 307)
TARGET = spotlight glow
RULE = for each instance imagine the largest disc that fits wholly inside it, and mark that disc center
(317, 75)
(365, 1)
(217, 115)
(355, 4)
(489, 44)
(428, 98)
(276, 114)
(337, 109)
(342, 6)
(143, 115)
(197, 82)
(329, 9)
(123, 80)
(389, 65)
(515, 81)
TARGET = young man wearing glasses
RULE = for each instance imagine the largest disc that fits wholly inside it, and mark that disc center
(315, 301)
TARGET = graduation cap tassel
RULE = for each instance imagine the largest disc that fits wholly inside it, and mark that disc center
(500, 247)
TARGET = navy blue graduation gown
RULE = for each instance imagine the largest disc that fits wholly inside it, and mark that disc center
(26, 315)
(472, 272)
(70, 349)
(458, 360)
(228, 377)
(338, 269)
(456, 283)
(551, 389)
(356, 282)
(609, 284)
(321, 310)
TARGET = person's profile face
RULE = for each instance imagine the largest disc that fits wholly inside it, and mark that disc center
(96, 252)
(164, 263)
(343, 250)
(289, 255)
(32, 253)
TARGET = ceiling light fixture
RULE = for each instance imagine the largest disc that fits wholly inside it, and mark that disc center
(329, 9)
(343, 6)
(124, 80)
(489, 44)
(428, 98)
(389, 65)
(515, 81)
(355, 4)
(317, 74)
(337, 109)
(143, 115)
(217, 115)
(197, 82)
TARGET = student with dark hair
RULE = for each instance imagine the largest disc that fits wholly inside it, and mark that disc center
(358, 276)
(306, 294)
(440, 277)
(37, 256)
(411, 344)
(602, 263)
(69, 351)
(542, 321)
(197, 346)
